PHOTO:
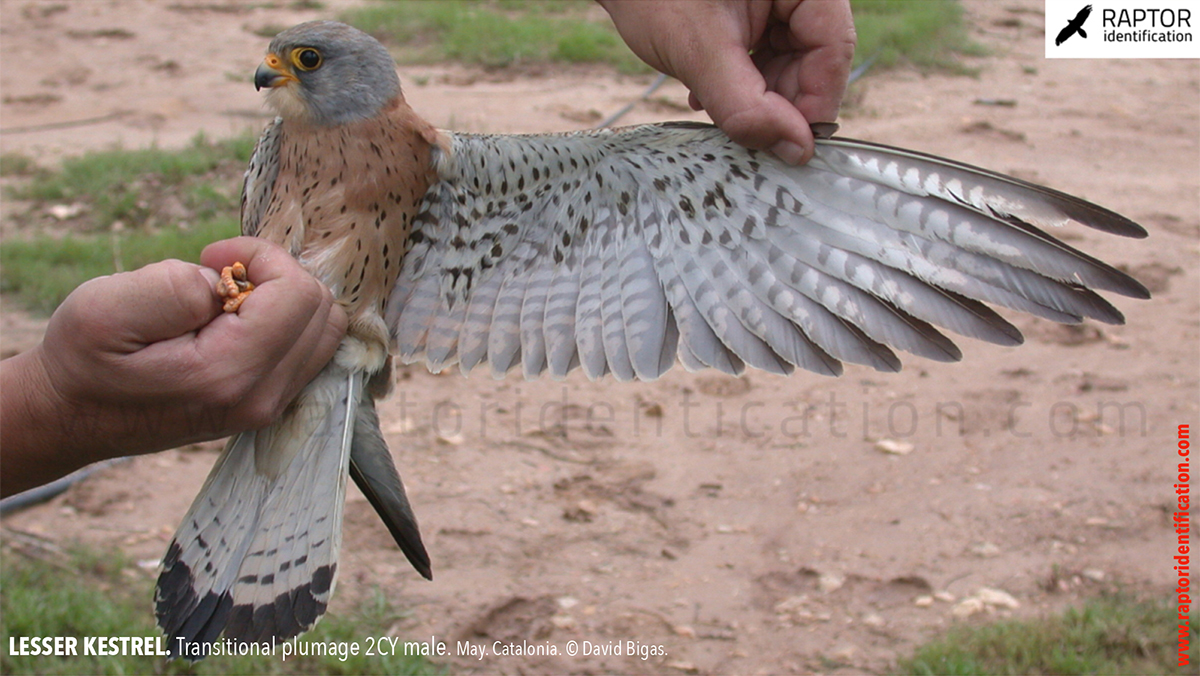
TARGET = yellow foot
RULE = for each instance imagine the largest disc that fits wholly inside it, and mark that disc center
(234, 287)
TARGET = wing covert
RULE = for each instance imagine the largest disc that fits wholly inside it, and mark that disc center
(259, 178)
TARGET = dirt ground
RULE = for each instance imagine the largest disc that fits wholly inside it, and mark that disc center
(744, 525)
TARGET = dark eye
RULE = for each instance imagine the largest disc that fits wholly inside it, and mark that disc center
(306, 58)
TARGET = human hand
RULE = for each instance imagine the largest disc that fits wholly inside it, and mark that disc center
(146, 360)
(797, 74)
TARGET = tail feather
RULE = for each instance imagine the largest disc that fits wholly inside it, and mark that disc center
(374, 472)
(256, 555)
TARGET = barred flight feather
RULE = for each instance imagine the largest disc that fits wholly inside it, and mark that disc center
(600, 241)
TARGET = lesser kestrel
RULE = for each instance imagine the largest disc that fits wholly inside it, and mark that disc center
(617, 251)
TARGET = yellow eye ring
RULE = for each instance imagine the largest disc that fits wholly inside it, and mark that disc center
(306, 58)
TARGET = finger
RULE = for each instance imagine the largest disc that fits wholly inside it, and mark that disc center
(249, 368)
(265, 261)
(310, 353)
(735, 95)
(251, 343)
(823, 35)
(127, 311)
(275, 314)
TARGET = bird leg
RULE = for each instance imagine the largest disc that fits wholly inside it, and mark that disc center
(234, 287)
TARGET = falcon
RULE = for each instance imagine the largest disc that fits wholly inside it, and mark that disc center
(613, 251)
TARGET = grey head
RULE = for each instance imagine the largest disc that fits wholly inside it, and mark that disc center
(327, 73)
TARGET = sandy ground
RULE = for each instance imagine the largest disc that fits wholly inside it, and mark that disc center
(737, 525)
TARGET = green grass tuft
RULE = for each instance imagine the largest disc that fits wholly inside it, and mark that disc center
(94, 594)
(115, 183)
(924, 33)
(1115, 635)
(171, 203)
(17, 164)
(42, 271)
(495, 33)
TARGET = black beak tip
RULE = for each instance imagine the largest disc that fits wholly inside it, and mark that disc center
(265, 77)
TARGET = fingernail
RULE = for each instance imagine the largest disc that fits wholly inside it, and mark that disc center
(789, 152)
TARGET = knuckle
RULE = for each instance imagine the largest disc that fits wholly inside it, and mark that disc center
(244, 409)
(229, 394)
(315, 294)
(261, 411)
(86, 312)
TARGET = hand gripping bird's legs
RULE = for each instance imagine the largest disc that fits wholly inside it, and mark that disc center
(234, 287)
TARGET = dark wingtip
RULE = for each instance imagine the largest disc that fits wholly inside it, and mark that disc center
(291, 614)
(185, 618)
(1095, 216)
(1135, 289)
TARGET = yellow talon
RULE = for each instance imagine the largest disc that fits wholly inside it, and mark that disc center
(234, 287)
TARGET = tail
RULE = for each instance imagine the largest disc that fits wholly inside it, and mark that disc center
(256, 555)
(374, 471)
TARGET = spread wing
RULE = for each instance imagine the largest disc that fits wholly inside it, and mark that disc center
(623, 250)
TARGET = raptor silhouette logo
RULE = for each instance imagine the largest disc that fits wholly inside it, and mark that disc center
(1074, 26)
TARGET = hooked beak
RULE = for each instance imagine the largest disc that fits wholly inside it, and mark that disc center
(272, 72)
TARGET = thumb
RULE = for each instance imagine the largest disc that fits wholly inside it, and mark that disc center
(133, 309)
(735, 95)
